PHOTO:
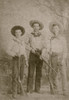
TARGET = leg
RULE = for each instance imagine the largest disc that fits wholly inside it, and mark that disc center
(22, 60)
(38, 75)
(50, 80)
(22, 65)
(64, 79)
(14, 76)
(53, 74)
(31, 69)
(54, 77)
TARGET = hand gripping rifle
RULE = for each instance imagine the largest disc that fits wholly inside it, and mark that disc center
(38, 52)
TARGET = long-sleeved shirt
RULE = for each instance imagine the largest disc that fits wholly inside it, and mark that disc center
(58, 45)
(36, 42)
(17, 48)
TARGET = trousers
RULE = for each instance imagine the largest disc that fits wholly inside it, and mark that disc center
(17, 72)
(34, 63)
(56, 64)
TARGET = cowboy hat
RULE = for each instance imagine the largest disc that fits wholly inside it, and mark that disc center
(17, 28)
(32, 22)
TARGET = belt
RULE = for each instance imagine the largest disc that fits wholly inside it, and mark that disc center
(56, 54)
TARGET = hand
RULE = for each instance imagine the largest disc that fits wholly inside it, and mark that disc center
(38, 52)
(17, 54)
(63, 61)
(19, 80)
(44, 56)
(33, 51)
(26, 63)
(12, 54)
(41, 57)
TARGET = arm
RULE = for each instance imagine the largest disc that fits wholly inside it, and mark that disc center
(10, 50)
(25, 52)
(65, 48)
(45, 50)
(28, 44)
(64, 61)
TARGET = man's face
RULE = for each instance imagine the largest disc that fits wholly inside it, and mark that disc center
(36, 27)
(56, 30)
(18, 33)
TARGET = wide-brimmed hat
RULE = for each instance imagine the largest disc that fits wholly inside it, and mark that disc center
(32, 22)
(52, 24)
(17, 28)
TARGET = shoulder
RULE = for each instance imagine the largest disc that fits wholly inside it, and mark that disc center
(11, 44)
(63, 38)
(30, 36)
(42, 37)
(23, 42)
(12, 41)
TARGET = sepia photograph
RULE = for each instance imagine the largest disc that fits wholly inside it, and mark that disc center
(34, 50)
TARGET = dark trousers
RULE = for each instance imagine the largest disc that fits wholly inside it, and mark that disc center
(17, 72)
(34, 62)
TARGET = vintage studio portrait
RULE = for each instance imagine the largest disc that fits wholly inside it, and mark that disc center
(34, 50)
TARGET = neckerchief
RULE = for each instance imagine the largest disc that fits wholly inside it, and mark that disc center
(18, 41)
(38, 34)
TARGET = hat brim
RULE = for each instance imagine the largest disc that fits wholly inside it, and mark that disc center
(52, 24)
(32, 22)
(17, 28)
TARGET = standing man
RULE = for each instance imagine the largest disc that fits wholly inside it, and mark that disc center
(58, 56)
(18, 53)
(35, 63)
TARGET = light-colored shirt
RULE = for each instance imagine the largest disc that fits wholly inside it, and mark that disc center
(58, 45)
(36, 42)
(17, 48)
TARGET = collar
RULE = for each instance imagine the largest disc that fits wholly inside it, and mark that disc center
(19, 41)
(55, 37)
(38, 34)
